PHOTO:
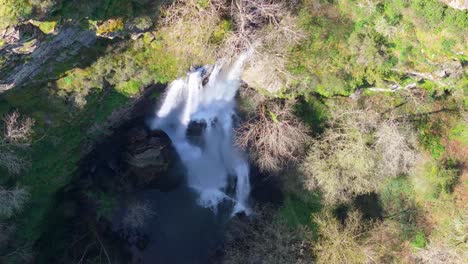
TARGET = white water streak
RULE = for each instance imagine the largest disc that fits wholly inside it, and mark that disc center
(209, 164)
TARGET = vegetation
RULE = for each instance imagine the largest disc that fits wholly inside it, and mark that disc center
(357, 108)
(357, 153)
(274, 134)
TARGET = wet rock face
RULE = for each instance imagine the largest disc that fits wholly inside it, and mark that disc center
(132, 159)
(148, 157)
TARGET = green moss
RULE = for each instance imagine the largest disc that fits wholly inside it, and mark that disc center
(45, 26)
(110, 26)
(129, 88)
(203, 4)
(221, 31)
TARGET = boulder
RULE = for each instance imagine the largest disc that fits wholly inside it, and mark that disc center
(148, 157)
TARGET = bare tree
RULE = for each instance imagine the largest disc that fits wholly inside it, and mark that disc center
(16, 128)
(356, 153)
(395, 145)
(265, 239)
(275, 135)
(16, 135)
(340, 162)
(12, 201)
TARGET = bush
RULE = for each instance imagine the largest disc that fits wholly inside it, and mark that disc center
(11, 11)
(339, 243)
(419, 240)
(263, 239)
(17, 131)
(12, 201)
(395, 144)
(275, 136)
(431, 180)
(356, 154)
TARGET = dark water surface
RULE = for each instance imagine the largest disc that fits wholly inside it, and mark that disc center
(180, 232)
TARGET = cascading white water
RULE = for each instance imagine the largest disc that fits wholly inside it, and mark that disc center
(210, 163)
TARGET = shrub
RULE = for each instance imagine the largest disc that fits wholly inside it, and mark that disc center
(356, 153)
(431, 180)
(395, 144)
(109, 26)
(16, 128)
(16, 135)
(11, 11)
(339, 243)
(340, 162)
(12, 201)
(275, 136)
(262, 239)
(419, 240)
(437, 253)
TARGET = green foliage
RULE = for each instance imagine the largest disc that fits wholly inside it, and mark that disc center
(313, 112)
(398, 202)
(363, 42)
(431, 10)
(109, 26)
(436, 13)
(297, 211)
(430, 137)
(419, 241)
(460, 133)
(45, 26)
(11, 11)
(339, 243)
(203, 3)
(433, 180)
(221, 31)
(321, 59)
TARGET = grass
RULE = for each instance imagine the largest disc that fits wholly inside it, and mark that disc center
(419, 241)
(460, 132)
(343, 43)
(49, 171)
(297, 211)
(399, 204)
(432, 180)
(141, 63)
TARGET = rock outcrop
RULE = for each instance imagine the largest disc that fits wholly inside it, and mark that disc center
(67, 42)
(148, 157)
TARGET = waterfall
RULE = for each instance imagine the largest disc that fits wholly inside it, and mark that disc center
(207, 96)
